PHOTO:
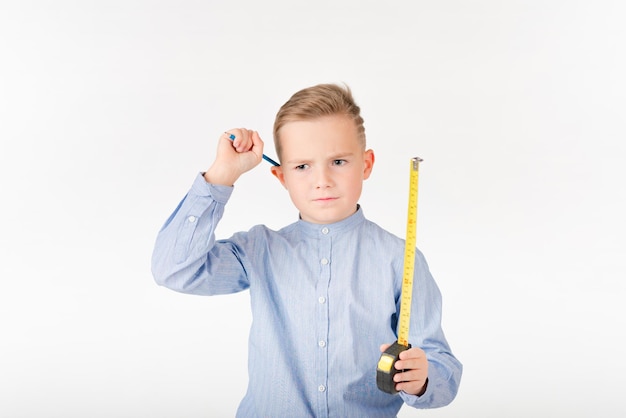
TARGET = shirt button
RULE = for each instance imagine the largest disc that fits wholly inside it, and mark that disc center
(324, 261)
(322, 343)
(191, 219)
(321, 388)
(324, 230)
(321, 299)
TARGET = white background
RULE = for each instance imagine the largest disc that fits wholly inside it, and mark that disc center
(109, 109)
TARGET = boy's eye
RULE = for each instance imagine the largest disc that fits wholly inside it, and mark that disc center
(301, 166)
(339, 162)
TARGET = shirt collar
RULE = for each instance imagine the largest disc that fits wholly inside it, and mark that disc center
(349, 223)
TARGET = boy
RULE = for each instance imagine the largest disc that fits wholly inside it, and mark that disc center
(325, 290)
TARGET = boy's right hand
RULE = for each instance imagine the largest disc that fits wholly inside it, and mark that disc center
(235, 157)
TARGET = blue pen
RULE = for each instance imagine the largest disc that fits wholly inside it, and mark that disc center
(265, 157)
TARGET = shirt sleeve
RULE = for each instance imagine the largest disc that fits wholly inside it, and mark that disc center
(186, 257)
(444, 370)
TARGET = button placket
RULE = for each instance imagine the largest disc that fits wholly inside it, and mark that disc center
(321, 329)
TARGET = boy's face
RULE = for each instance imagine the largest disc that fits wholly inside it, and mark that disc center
(323, 167)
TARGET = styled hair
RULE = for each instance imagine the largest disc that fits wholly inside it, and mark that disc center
(315, 102)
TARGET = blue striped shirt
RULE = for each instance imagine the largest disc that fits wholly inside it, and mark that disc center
(323, 299)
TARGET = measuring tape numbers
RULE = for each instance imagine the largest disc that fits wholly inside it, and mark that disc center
(385, 370)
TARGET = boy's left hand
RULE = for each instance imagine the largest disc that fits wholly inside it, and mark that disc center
(415, 365)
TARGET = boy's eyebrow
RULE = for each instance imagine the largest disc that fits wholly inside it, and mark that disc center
(331, 157)
(297, 161)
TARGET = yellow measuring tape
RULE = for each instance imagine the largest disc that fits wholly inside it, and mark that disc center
(385, 371)
(409, 255)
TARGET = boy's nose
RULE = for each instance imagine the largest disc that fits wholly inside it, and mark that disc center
(323, 179)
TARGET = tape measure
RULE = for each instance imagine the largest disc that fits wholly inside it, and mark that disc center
(385, 371)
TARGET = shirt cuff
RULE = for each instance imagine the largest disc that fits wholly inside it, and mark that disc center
(218, 192)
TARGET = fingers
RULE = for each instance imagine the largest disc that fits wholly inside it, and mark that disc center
(413, 378)
(410, 376)
(257, 144)
(413, 358)
(239, 150)
(243, 140)
(414, 370)
(414, 387)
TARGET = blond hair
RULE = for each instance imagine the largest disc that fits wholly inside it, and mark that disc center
(315, 102)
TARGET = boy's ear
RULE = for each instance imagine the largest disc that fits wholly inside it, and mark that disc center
(369, 163)
(277, 171)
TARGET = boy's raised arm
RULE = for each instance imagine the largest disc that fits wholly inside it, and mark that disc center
(182, 253)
